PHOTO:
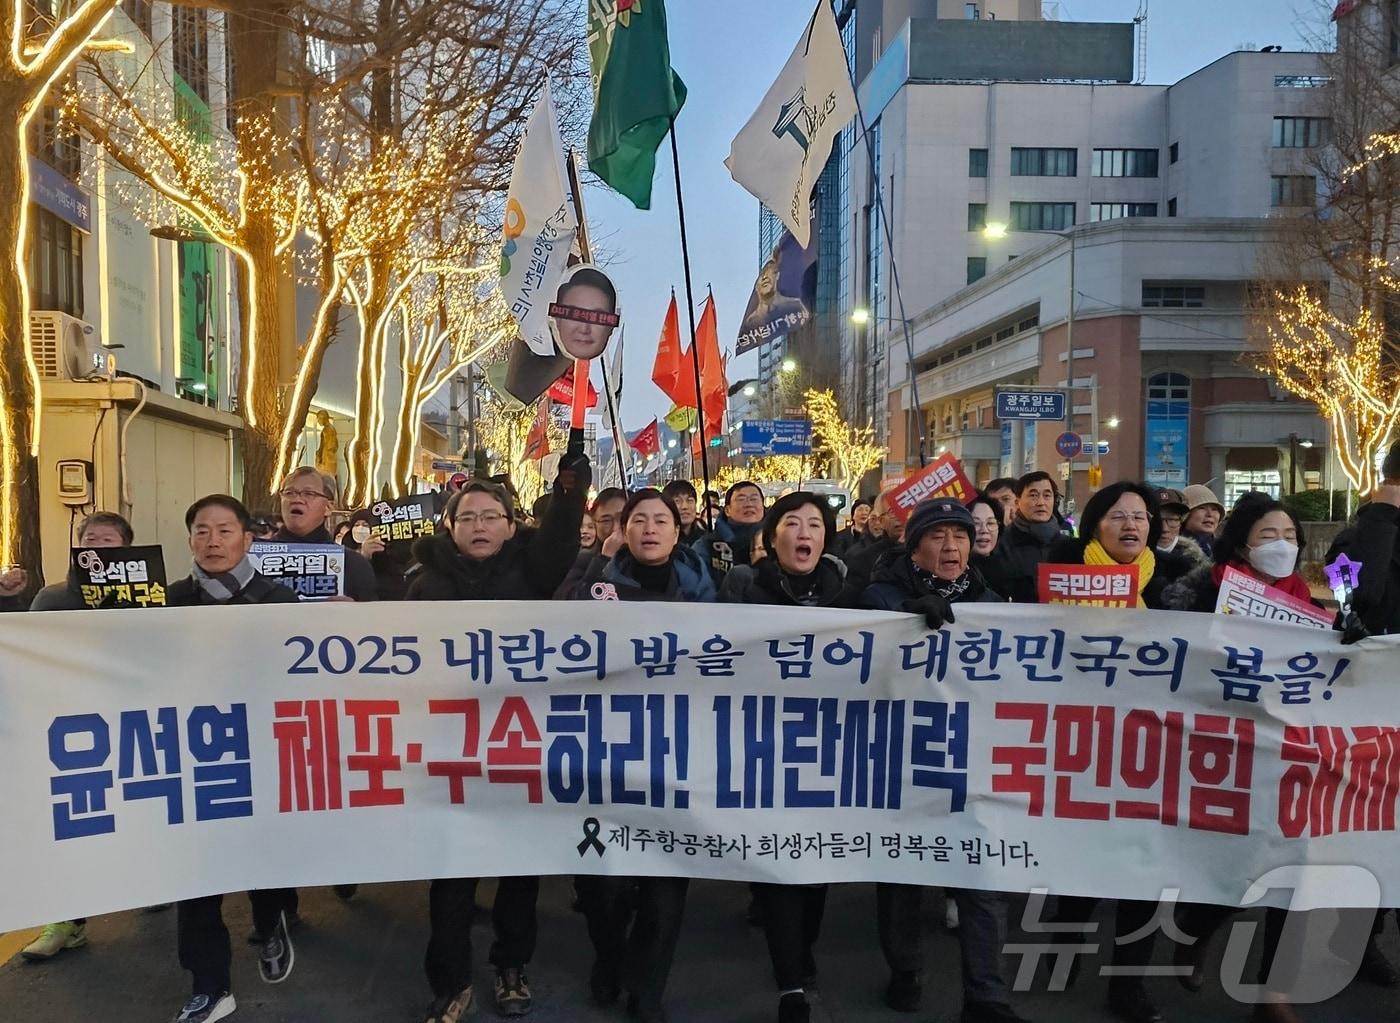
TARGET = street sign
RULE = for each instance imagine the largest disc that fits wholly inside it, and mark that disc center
(439, 466)
(776, 437)
(457, 481)
(1067, 444)
(1036, 405)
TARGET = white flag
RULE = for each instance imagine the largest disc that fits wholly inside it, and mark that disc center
(540, 226)
(781, 151)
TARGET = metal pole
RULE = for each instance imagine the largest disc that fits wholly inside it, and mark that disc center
(1069, 374)
(690, 311)
(1094, 418)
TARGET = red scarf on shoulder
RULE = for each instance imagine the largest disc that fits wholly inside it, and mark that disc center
(1293, 585)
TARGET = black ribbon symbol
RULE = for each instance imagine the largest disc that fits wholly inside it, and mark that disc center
(591, 827)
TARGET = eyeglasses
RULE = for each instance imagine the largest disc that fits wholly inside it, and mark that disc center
(1171, 520)
(1123, 518)
(485, 518)
(291, 494)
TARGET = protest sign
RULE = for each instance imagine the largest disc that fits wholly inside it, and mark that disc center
(1088, 585)
(313, 571)
(120, 576)
(400, 522)
(1242, 594)
(943, 477)
(1023, 747)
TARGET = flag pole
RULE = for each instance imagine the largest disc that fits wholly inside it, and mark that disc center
(579, 406)
(690, 311)
(616, 426)
(894, 268)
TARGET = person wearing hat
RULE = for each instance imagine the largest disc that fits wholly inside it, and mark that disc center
(1203, 514)
(1173, 513)
(928, 575)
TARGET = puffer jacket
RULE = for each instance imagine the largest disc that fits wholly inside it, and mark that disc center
(727, 545)
(1374, 541)
(894, 585)
(614, 579)
(767, 583)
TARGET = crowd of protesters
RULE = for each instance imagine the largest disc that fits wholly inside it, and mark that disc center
(671, 546)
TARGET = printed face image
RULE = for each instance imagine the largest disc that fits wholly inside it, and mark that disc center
(589, 317)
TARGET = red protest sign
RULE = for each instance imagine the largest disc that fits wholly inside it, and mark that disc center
(943, 477)
(562, 390)
(1089, 585)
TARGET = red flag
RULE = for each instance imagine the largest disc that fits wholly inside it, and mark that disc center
(672, 371)
(537, 443)
(647, 441)
(562, 390)
(714, 388)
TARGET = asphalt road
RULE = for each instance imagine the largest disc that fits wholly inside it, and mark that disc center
(361, 962)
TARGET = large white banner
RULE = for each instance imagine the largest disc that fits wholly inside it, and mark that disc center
(149, 756)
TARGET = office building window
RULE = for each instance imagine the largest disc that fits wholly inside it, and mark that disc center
(977, 163)
(1173, 152)
(1125, 163)
(1299, 132)
(1044, 163)
(1293, 190)
(56, 264)
(139, 11)
(189, 42)
(976, 268)
(976, 216)
(1118, 210)
(56, 142)
(1042, 216)
(1173, 296)
(971, 12)
(1171, 206)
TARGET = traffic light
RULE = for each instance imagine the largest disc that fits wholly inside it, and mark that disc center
(1095, 475)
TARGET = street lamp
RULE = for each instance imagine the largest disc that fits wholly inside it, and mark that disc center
(1111, 423)
(749, 391)
(860, 316)
(789, 365)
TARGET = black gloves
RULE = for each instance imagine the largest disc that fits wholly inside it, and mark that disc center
(575, 473)
(936, 610)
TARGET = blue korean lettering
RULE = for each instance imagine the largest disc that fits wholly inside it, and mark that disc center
(872, 760)
(573, 765)
(524, 651)
(153, 754)
(477, 659)
(806, 718)
(221, 790)
(757, 754)
(938, 748)
(657, 655)
(1100, 662)
(633, 751)
(80, 789)
(1034, 651)
(584, 657)
(839, 653)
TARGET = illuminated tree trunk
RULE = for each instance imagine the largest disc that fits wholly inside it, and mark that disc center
(19, 480)
(259, 376)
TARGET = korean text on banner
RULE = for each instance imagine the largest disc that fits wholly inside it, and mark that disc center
(943, 477)
(1241, 594)
(120, 576)
(1088, 585)
(400, 522)
(793, 745)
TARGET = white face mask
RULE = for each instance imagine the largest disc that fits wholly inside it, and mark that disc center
(1277, 558)
(360, 532)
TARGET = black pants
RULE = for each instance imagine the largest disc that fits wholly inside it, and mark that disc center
(792, 920)
(641, 958)
(1130, 917)
(982, 930)
(1200, 921)
(203, 938)
(451, 906)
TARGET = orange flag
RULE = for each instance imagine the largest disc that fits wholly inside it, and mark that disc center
(672, 371)
(714, 388)
(537, 443)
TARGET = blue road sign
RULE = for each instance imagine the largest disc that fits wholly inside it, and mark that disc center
(1049, 405)
(1069, 444)
(776, 437)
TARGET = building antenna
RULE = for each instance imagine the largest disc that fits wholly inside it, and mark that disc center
(1141, 22)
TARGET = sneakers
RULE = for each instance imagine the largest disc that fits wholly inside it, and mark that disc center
(55, 939)
(512, 991)
(990, 1012)
(450, 1008)
(207, 1008)
(793, 1008)
(276, 957)
(1129, 1002)
(293, 922)
(905, 990)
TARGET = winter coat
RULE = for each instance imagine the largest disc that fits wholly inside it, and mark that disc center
(529, 566)
(860, 561)
(697, 532)
(64, 596)
(727, 545)
(360, 582)
(391, 567)
(1374, 541)
(1190, 550)
(1069, 550)
(614, 579)
(995, 568)
(767, 583)
(1194, 591)
(845, 541)
(1024, 553)
(894, 584)
(260, 590)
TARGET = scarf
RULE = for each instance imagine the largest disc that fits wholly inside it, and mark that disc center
(1294, 585)
(968, 586)
(223, 587)
(1043, 532)
(1146, 564)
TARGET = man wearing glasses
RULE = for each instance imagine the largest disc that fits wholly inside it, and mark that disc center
(308, 495)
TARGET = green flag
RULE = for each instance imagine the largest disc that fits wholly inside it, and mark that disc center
(635, 93)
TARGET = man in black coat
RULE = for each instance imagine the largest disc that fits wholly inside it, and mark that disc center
(221, 535)
(1374, 541)
(1026, 540)
(886, 533)
(308, 496)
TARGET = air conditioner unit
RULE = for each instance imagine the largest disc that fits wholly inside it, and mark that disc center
(67, 348)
